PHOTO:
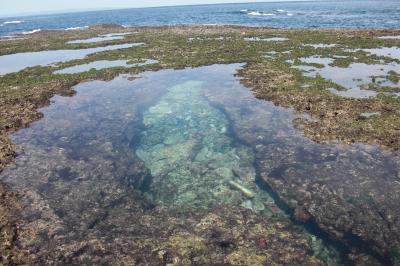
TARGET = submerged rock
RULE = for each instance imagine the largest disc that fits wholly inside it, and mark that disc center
(190, 154)
(248, 193)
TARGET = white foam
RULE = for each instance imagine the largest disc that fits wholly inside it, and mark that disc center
(254, 13)
(77, 28)
(13, 22)
(10, 38)
(30, 32)
(257, 13)
(280, 10)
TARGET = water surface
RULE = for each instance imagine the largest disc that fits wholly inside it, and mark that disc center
(102, 38)
(389, 37)
(271, 39)
(391, 52)
(16, 62)
(354, 79)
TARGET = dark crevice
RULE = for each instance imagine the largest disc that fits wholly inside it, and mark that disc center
(343, 246)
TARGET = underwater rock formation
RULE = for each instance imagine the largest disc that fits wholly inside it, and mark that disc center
(194, 161)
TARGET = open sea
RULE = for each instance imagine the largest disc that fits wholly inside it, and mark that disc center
(310, 14)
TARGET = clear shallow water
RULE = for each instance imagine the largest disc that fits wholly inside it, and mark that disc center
(193, 138)
(187, 145)
(313, 14)
(16, 62)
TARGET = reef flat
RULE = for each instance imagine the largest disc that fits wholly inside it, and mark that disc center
(337, 170)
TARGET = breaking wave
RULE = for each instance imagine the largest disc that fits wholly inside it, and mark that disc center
(257, 13)
(262, 13)
(13, 22)
(30, 32)
(77, 28)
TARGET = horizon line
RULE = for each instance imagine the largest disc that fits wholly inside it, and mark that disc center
(58, 12)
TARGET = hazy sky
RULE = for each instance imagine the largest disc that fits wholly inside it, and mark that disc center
(16, 7)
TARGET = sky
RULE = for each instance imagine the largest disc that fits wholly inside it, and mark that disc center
(25, 7)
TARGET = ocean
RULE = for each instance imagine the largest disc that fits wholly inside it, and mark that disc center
(310, 14)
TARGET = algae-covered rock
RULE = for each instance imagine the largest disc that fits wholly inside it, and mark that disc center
(244, 258)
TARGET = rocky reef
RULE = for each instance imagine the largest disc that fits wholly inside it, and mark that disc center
(187, 166)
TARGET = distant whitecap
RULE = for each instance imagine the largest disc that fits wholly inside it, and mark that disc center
(257, 13)
(13, 22)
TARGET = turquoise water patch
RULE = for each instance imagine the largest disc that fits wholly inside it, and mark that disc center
(192, 157)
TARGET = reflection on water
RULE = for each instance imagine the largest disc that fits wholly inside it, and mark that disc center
(354, 93)
(193, 138)
(317, 60)
(321, 45)
(272, 39)
(392, 52)
(102, 38)
(102, 64)
(389, 37)
(16, 62)
(355, 78)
